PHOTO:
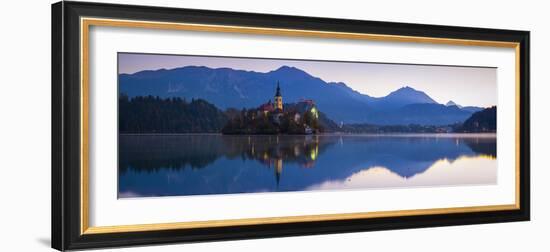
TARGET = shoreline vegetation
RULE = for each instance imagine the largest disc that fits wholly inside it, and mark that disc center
(155, 115)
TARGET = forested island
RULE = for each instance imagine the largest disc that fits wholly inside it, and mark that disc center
(253, 121)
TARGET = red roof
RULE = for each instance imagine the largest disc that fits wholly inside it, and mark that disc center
(308, 101)
(267, 106)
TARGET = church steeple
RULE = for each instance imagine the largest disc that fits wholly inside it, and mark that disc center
(278, 98)
(278, 93)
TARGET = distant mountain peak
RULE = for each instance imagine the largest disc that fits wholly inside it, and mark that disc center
(409, 91)
(341, 84)
(290, 73)
(404, 96)
(407, 88)
(289, 69)
(191, 67)
(452, 103)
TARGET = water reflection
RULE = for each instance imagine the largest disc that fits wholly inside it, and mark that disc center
(216, 164)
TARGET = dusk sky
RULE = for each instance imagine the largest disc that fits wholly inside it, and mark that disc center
(467, 86)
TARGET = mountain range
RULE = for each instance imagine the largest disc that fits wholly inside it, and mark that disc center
(230, 88)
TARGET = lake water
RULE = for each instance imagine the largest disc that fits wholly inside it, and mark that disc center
(171, 165)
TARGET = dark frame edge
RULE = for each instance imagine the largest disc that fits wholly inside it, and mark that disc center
(525, 128)
(57, 126)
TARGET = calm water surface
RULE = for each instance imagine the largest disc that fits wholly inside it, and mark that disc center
(170, 165)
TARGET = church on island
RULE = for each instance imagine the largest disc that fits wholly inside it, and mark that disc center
(275, 109)
(274, 117)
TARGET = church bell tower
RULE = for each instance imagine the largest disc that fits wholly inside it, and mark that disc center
(278, 99)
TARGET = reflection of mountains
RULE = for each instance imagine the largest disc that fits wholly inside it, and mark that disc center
(329, 157)
(407, 156)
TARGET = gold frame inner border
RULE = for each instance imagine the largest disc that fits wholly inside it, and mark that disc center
(86, 23)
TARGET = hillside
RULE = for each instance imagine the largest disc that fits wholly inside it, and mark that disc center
(481, 121)
(150, 114)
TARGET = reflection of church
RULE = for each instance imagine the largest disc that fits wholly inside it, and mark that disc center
(278, 169)
(302, 152)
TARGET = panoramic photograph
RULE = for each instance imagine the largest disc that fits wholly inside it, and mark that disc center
(203, 125)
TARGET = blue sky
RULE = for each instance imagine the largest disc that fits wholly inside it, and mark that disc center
(468, 86)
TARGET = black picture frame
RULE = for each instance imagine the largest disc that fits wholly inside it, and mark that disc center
(66, 125)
